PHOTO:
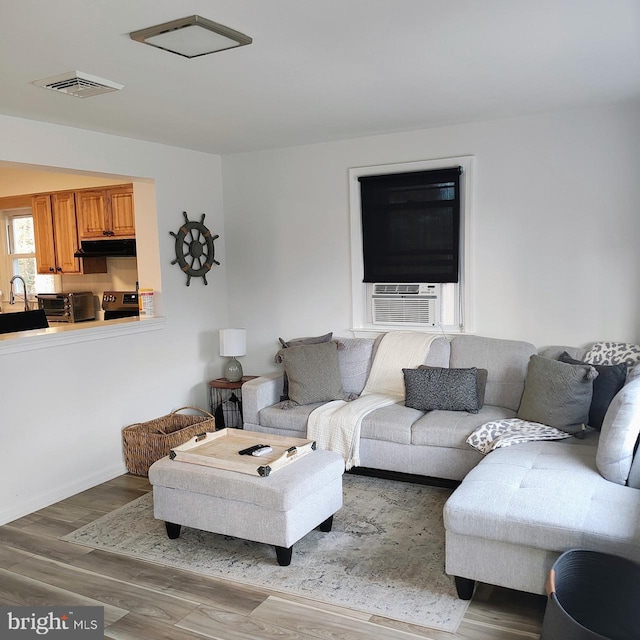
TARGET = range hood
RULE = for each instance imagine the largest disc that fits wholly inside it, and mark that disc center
(107, 249)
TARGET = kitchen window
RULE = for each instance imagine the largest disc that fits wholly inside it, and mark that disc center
(21, 257)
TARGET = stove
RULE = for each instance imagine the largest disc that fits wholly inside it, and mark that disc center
(120, 304)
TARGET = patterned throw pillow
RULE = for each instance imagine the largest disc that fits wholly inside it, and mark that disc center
(441, 388)
(613, 353)
(481, 378)
(504, 433)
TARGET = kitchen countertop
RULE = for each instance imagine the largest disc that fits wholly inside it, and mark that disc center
(59, 327)
(60, 333)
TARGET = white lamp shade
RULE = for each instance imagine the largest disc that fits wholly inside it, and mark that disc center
(233, 342)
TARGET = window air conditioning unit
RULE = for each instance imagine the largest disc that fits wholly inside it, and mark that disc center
(406, 304)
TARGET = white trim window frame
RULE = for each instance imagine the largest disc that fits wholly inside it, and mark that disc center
(7, 245)
(464, 321)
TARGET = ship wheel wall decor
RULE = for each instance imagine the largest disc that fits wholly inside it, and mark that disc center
(194, 249)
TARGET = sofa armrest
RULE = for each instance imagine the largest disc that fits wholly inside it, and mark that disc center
(260, 393)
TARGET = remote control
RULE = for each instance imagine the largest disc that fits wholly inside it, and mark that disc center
(249, 450)
(262, 451)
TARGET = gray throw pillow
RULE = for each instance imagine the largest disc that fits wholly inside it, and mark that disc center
(313, 372)
(296, 342)
(610, 380)
(431, 388)
(481, 378)
(557, 394)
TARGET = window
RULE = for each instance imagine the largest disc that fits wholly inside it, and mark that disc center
(411, 223)
(21, 256)
(411, 226)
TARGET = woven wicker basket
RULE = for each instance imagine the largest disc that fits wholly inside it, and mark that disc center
(145, 442)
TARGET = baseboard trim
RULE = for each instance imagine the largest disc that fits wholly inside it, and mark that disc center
(405, 477)
(40, 501)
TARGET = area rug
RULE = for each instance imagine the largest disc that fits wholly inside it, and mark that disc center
(384, 556)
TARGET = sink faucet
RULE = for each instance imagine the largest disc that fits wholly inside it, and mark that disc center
(12, 297)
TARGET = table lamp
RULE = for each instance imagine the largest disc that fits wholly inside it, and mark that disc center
(233, 342)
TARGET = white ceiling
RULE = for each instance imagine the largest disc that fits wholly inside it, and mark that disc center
(318, 70)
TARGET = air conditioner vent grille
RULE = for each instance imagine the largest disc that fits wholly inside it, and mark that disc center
(397, 289)
(78, 84)
(404, 311)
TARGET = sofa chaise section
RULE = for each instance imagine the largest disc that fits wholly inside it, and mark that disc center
(522, 506)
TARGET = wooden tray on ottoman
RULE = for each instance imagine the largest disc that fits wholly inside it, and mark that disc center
(220, 450)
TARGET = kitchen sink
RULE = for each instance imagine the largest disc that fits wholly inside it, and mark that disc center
(23, 321)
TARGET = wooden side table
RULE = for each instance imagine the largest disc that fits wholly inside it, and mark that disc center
(225, 401)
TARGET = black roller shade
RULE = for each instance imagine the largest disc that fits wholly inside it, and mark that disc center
(411, 226)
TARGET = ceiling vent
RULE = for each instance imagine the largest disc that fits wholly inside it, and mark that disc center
(78, 84)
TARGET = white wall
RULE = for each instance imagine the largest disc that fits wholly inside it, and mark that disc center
(63, 407)
(556, 227)
(556, 261)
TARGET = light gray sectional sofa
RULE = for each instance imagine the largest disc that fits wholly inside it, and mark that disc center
(517, 508)
(398, 438)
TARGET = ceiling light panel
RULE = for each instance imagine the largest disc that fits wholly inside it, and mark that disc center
(191, 37)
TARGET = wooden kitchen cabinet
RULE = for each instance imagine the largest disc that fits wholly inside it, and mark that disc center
(56, 236)
(123, 222)
(43, 234)
(106, 213)
(65, 240)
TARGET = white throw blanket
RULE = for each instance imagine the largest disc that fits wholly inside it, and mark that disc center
(336, 425)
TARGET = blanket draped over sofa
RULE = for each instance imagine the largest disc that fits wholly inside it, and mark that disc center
(336, 425)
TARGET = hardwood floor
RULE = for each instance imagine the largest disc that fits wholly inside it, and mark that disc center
(143, 600)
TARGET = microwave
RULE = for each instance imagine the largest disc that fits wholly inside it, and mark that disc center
(67, 307)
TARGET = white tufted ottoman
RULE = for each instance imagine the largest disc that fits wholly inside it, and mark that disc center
(278, 509)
